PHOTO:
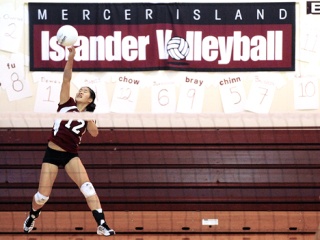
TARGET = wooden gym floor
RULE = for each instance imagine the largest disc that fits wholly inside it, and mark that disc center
(160, 237)
(166, 225)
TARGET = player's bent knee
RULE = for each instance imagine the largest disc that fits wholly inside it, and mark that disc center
(87, 189)
(40, 199)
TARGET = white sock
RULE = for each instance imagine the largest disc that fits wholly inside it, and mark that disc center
(99, 210)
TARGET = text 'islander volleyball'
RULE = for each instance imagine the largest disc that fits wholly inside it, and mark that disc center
(67, 35)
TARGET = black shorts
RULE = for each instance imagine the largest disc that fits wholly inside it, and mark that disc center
(58, 158)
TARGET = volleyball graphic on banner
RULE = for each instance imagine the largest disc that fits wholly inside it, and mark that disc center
(178, 48)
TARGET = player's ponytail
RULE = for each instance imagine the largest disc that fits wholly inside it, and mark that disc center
(92, 106)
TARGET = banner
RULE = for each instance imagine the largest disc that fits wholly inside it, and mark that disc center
(165, 36)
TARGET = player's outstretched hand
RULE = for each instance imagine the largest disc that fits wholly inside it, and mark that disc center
(72, 52)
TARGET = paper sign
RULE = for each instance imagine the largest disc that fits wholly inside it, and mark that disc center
(48, 93)
(309, 41)
(261, 95)
(190, 99)
(13, 78)
(125, 95)
(232, 94)
(11, 27)
(163, 98)
(306, 93)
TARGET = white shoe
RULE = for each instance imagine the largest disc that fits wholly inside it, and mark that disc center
(105, 230)
(29, 224)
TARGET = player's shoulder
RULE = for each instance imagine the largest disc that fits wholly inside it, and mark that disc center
(68, 104)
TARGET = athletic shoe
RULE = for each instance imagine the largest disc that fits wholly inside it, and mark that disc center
(105, 230)
(29, 223)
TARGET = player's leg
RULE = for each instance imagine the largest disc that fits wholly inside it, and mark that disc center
(78, 174)
(47, 177)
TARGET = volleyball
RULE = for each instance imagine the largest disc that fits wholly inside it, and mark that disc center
(178, 48)
(67, 35)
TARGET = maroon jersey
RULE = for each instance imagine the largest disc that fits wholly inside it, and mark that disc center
(67, 133)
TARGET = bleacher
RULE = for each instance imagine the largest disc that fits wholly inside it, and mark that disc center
(190, 172)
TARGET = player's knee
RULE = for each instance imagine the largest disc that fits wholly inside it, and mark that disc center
(40, 199)
(87, 189)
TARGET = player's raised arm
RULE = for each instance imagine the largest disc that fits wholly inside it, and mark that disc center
(67, 75)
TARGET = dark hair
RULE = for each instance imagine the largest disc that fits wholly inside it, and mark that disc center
(91, 106)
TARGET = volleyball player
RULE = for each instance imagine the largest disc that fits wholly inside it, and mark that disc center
(62, 150)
